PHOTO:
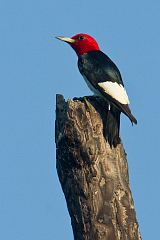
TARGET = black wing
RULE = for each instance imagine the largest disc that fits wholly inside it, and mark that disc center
(98, 68)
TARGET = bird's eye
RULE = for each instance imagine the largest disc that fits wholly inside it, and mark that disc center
(81, 38)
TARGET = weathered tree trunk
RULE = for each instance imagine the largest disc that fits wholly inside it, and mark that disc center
(93, 176)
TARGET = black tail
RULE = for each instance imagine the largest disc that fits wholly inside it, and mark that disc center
(123, 108)
(126, 110)
(113, 126)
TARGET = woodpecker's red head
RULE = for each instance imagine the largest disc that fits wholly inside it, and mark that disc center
(81, 43)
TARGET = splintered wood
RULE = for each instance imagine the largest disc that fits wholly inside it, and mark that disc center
(93, 176)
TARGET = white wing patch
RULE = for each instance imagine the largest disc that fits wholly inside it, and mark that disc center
(115, 90)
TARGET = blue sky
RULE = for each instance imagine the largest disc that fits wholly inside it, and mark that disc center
(34, 67)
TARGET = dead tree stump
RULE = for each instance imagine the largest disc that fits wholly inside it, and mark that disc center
(93, 176)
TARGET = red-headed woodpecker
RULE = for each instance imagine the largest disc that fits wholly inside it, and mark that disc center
(104, 79)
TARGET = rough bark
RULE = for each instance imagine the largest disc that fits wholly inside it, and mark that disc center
(93, 176)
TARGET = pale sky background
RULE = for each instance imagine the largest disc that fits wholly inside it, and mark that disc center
(34, 67)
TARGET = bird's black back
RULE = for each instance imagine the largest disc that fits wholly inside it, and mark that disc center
(98, 67)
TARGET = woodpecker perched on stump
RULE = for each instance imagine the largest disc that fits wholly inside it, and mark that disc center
(104, 79)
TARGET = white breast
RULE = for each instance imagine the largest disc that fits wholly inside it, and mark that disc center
(94, 90)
